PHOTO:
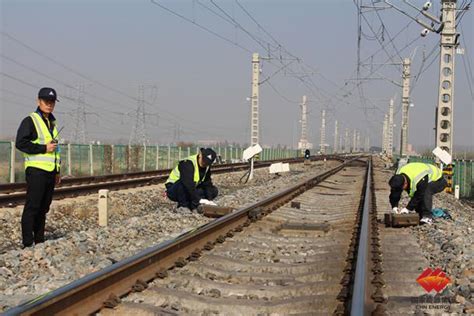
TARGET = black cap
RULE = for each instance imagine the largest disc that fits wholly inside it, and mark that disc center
(396, 182)
(208, 155)
(47, 94)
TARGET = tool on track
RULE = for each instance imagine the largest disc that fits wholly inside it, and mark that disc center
(215, 211)
(401, 220)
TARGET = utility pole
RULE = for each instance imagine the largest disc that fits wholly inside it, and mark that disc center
(358, 147)
(384, 134)
(303, 143)
(405, 106)
(322, 143)
(390, 130)
(254, 130)
(335, 137)
(254, 126)
(444, 111)
(354, 140)
(138, 135)
(367, 144)
(341, 139)
(347, 145)
(79, 135)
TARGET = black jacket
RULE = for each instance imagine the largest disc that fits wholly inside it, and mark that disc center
(186, 172)
(27, 133)
(417, 197)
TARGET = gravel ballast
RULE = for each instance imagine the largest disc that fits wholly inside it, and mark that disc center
(139, 218)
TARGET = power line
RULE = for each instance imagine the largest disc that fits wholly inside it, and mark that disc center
(66, 67)
(155, 2)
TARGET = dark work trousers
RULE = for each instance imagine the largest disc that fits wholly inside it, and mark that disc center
(426, 204)
(39, 194)
(177, 192)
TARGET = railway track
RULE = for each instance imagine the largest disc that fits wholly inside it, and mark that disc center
(403, 262)
(293, 252)
(12, 194)
(296, 252)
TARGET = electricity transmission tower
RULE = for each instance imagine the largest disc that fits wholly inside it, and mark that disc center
(322, 143)
(303, 143)
(138, 135)
(79, 134)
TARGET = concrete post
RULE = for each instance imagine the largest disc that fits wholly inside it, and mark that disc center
(254, 127)
(405, 106)
(69, 160)
(91, 161)
(144, 157)
(12, 162)
(169, 157)
(444, 111)
(103, 207)
(112, 158)
(157, 163)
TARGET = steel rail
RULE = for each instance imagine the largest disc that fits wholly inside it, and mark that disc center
(88, 294)
(77, 187)
(360, 291)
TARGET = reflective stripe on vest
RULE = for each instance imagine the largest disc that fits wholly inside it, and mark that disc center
(175, 174)
(45, 161)
(416, 171)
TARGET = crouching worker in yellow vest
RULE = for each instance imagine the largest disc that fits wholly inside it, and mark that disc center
(189, 183)
(421, 181)
(37, 139)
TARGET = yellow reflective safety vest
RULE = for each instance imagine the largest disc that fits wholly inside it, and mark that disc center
(415, 171)
(175, 174)
(46, 161)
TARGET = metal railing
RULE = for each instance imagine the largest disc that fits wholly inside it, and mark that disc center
(95, 160)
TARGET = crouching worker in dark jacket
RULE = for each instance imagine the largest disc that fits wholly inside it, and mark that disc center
(421, 181)
(190, 181)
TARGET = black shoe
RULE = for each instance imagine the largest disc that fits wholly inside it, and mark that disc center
(199, 209)
(26, 246)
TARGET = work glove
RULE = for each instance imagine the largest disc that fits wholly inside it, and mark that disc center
(404, 211)
(395, 210)
(207, 202)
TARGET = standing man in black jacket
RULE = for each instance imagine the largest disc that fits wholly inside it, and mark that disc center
(190, 181)
(37, 139)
